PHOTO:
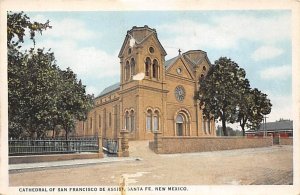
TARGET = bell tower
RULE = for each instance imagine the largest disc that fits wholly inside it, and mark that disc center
(142, 55)
(142, 77)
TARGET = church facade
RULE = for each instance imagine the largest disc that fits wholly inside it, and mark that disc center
(153, 94)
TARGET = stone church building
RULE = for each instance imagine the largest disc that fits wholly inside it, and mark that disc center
(153, 94)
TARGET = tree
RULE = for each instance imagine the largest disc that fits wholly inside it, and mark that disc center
(41, 95)
(41, 92)
(252, 107)
(73, 103)
(219, 91)
(18, 69)
(33, 93)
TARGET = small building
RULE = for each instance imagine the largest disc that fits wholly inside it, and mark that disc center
(153, 94)
(283, 127)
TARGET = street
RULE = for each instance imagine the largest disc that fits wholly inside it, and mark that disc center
(257, 166)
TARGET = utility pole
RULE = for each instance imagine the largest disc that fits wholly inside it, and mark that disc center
(265, 126)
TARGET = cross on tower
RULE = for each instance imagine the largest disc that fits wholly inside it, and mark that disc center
(179, 51)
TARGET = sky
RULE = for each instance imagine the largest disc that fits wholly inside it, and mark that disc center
(258, 40)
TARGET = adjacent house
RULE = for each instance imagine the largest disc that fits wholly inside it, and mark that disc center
(282, 127)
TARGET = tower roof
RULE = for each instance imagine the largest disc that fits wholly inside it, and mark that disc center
(195, 57)
(140, 35)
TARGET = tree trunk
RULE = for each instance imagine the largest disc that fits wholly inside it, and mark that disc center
(242, 124)
(67, 142)
(66, 134)
(243, 129)
(225, 133)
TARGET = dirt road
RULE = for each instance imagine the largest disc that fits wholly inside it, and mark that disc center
(271, 165)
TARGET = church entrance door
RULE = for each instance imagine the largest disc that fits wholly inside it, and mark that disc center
(179, 125)
(179, 129)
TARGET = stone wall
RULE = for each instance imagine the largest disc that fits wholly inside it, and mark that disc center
(50, 158)
(169, 145)
(286, 141)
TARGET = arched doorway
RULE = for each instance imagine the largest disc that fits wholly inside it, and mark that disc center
(182, 125)
(179, 125)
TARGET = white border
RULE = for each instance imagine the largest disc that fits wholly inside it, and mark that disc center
(91, 5)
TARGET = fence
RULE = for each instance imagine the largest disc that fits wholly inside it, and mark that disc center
(110, 145)
(53, 146)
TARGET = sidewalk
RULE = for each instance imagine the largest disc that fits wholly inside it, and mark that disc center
(67, 163)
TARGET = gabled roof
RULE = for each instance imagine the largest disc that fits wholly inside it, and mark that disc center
(141, 34)
(198, 60)
(110, 89)
(191, 62)
(171, 61)
(278, 125)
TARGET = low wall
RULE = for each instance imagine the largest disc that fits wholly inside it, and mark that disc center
(285, 141)
(171, 145)
(52, 157)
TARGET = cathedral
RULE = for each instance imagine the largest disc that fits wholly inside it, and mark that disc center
(153, 94)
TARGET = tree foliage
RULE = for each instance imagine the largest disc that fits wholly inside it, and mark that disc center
(17, 23)
(73, 103)
(40, 94)
(219, 90)
(252, 107)
(225, 94)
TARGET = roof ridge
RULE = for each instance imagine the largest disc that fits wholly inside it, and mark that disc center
(144, 38)
(169, 62)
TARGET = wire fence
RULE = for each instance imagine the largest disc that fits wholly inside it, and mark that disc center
(53, 146)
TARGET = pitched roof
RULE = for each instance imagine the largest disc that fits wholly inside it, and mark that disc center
(140, 35)
(110, 89)
(192, 62)
(278, 125)
(171, 61)
(198, 57)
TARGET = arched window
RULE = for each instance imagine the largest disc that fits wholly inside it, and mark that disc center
(127, 120)
(132, 121)
(127, 71)
(156, 121)
(155, 69)
(132, 67)
(149, 120)
(179, 125)
(147, 66)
